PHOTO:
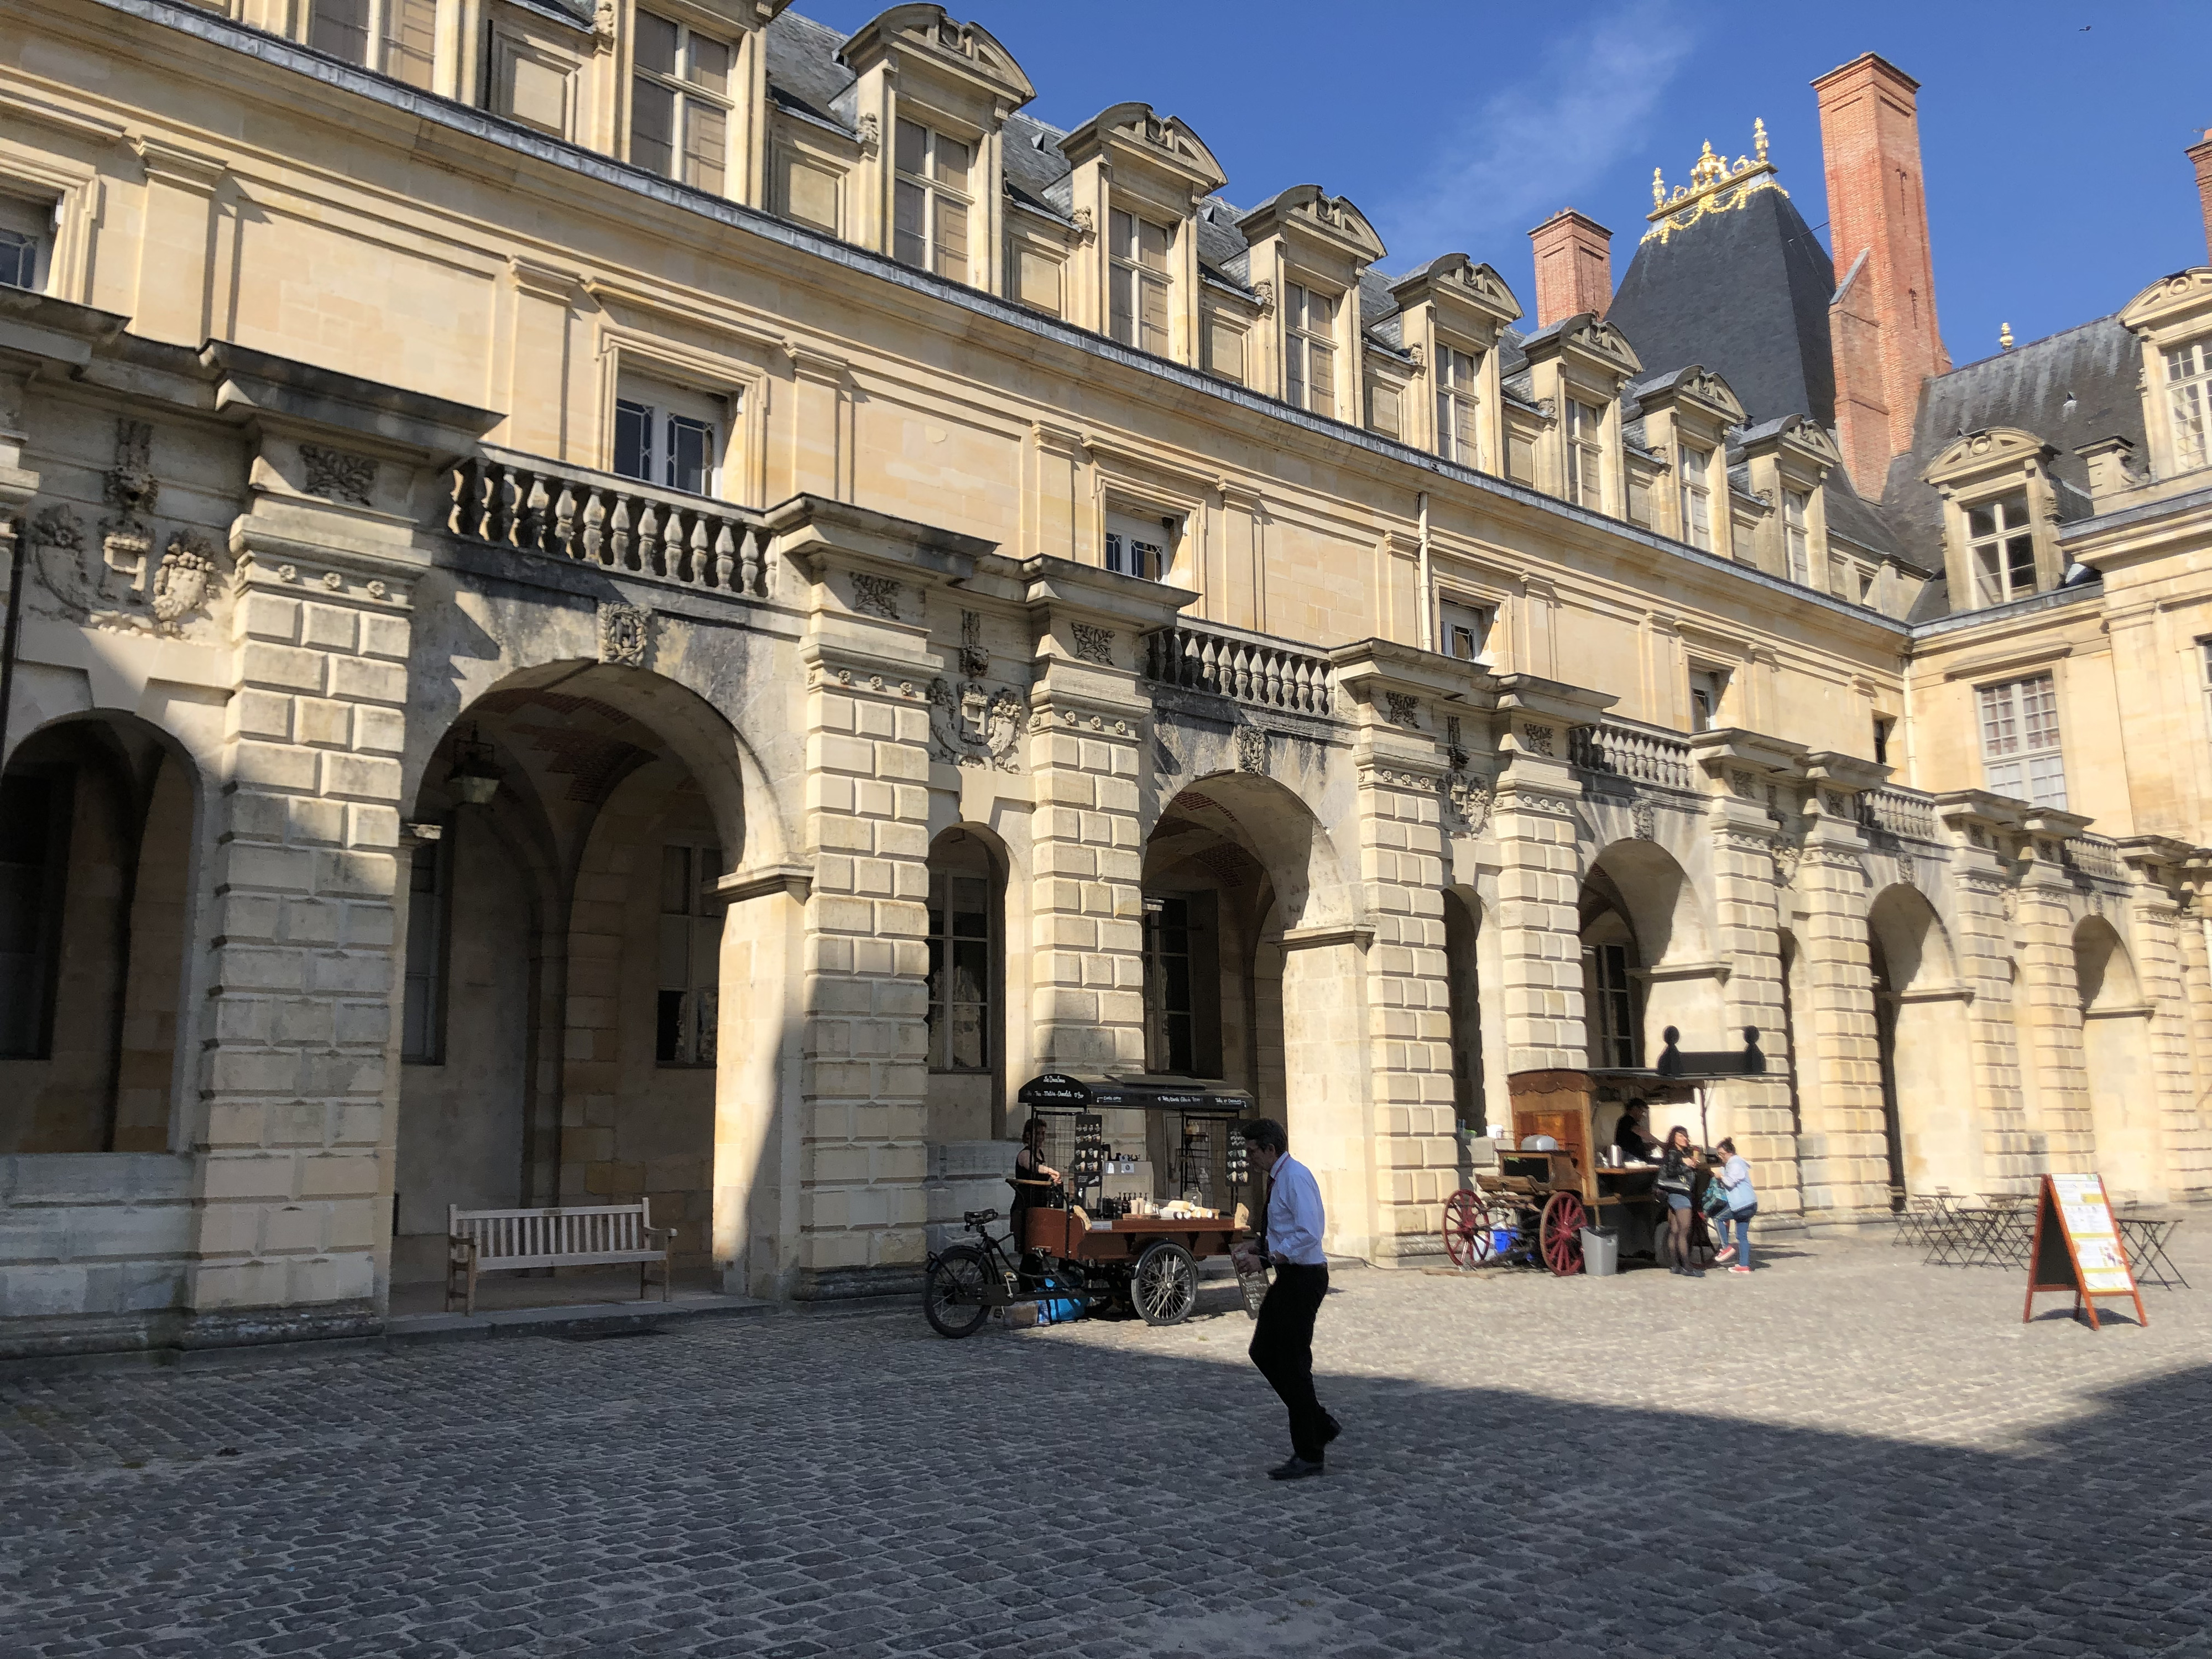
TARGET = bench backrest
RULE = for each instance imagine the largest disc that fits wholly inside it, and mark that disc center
(582, 1230)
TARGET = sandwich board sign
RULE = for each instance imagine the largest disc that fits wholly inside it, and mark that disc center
(2078, 1248)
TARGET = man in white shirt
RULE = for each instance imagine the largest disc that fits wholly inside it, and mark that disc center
(1282, 1347)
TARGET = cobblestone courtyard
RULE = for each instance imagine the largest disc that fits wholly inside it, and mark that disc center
(1844, 1453)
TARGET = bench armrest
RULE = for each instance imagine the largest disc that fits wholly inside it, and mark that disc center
(668, 1233)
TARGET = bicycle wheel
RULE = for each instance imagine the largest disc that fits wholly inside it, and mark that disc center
(952, 1294)
(1164, 1287)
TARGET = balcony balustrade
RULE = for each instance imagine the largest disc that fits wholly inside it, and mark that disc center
(1900, 810)
(1246, 668)
(1640, 753)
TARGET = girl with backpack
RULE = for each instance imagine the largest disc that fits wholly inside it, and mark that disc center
(1742, 1205)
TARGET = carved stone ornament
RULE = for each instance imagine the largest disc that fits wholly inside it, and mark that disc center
(1536, 739)
(180, 585)
(1085, 222)
(1252, 750)
(1094, 644)
(1976, 835)
(603, 22)
(875, 596)
(1467, 798)
(1645, 819)
(1786, 860)
(972, 726)
(974, 660)
(625, 634)
(338, 475)
(1265, 290)
(1834, 804)
(870, 131)
(1742, 785)
(1402, 709)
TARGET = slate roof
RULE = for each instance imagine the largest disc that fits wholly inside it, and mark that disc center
(2069, 389)
(1745, 293)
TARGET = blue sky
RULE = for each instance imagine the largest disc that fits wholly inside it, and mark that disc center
(2051, 130)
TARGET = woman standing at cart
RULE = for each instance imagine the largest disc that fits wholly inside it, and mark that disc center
(1679, 1163)
(1033, 1179)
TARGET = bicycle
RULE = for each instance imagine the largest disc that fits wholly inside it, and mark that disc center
(963, 1282)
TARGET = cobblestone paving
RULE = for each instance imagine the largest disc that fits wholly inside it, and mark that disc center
(1844, 1453)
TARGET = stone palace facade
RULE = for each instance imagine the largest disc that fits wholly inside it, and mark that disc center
(650, 600)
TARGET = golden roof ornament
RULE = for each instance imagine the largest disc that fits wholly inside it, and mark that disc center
(1714, 186)
(2004, 336)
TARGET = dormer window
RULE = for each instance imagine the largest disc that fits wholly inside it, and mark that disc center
(1138, 313)
(1140, 545)
(1456, 407)
(1695, 466)
(1585, 454)
(930, 214)
(397, 38)
(2000, 542)
(679, 121)
(1310, 349)
(2188, 403)
(1797, 534)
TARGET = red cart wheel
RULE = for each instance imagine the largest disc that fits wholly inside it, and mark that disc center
(1469, 1239)
(1560, 1233)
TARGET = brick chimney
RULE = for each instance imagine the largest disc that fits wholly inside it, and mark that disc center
(1882, 322)
(2201, 155)
(1574, 266)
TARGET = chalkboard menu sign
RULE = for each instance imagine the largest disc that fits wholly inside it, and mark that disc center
(2078, 1248)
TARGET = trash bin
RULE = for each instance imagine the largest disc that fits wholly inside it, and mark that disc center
(1600, 1253)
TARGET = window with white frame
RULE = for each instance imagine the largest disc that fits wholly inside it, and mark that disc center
(1138, 545)
(1797, 534)
(1612, 1024)
(689, 1010)
(1310, 349)
(1585, 454)
(931, 200)
(1137, 305)
(1696, 468)
(2020, 755)
(1457, 408)
(668, 436)
(2188, 403)
(1463, 630)
(964, 948)
(27, 243)
(1708, 690)
(2204, 666)
(397, 38)
(679, 114)
(2001, 547)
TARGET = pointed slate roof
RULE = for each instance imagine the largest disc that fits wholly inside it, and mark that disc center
(1745, 293)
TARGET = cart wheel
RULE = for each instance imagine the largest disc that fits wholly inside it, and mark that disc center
(1469, 1239)
(1164, 1287)
(1560, 1231)
(952, 1294)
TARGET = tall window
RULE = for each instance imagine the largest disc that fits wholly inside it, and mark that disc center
(25, 240)
(1463, 630)
(1456, 426)
(1585, 454)
(1695, 466)
(691, 958)
(1310, 349)
(1612, 1021)
(963, 946)
(2204, 661)
(422, 1021)
(2019, 741)
(1883, 726)
(33, 866)
(397, 38)
(659, 445)
(1139, 308)
(1170, 1008)
(1138, 546)
(679, 118)
(2001, 543)
(930, 205)
(1708, 688)
(1797, 534)
(2188, 403)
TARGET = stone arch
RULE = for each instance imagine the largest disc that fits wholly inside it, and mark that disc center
(100, 849)
(970, 871)
(1470, 949)
(1925, 1046)
(2116, 1055)
(1647, 959)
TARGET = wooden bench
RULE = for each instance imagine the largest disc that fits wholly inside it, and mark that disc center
(578, 1236)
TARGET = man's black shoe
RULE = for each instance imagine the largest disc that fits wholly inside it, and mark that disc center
(1297, 1470)
(1330, 1428)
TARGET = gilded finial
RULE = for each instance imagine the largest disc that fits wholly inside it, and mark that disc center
(1759, 138)
(2004, 336)
(1658, 188)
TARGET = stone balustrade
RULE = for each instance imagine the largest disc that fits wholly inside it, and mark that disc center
(2094, 856)
(1898, 811)
(1641, 754)
(1248, 668)
(563, 511)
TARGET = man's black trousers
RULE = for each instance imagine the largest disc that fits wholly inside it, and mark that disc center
(1282, 1347)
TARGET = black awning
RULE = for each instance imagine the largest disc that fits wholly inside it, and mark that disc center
(1054, 1090)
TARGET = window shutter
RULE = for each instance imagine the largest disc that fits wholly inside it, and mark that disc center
(411, 40)
(340, 28)
(1225, 350)
(1382, 407)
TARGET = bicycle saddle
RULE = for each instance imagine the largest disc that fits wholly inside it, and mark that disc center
(977, 1218)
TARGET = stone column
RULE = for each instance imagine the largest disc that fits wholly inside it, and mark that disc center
(299, 1092)
(2049, 1007)
(1843, 1151)
(2193, 1159)
(2012, 1151)
(1746, 916)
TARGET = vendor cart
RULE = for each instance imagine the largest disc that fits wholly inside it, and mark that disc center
(1121, 1229)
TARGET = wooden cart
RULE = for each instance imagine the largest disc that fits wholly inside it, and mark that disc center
(1147, 1264)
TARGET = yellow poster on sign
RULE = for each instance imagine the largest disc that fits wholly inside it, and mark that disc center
(2078, 1246)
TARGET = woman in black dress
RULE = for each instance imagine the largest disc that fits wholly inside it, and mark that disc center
(1679, 1163)
(1033, 1179)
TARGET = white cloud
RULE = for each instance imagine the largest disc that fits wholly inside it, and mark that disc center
(1521, 155)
